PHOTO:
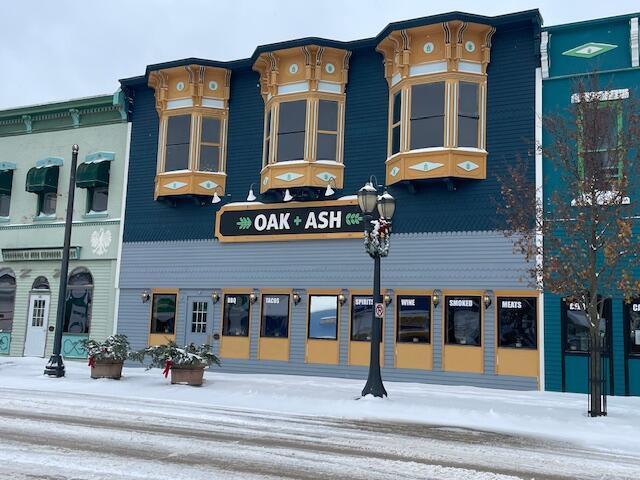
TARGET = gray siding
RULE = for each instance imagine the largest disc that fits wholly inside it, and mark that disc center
(478, 260)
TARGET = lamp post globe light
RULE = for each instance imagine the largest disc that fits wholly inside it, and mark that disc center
(377, 232)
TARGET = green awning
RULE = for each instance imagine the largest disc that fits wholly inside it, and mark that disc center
(6, 181)
(42, 179)
(92, 175)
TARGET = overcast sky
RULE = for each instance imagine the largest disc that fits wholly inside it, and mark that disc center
(56, 50)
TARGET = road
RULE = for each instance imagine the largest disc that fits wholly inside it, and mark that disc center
(66, 436)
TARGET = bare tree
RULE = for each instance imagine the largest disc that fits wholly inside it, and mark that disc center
(579, 238)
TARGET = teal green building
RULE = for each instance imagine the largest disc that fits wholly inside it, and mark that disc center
(608, 46)
(35, 159)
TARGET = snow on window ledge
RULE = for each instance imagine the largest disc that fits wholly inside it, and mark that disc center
(609, 197)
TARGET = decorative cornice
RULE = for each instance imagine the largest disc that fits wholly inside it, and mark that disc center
(23, 226)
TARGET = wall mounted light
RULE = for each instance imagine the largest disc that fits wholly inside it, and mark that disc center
(388, 297)
(342, 297)
(487, 298)
(145, 296)
(296, 298)
(251, 197)
(437, 294)
(216, 198)
(215, 296)
(253, 297)
(330, 191)
(287, 196)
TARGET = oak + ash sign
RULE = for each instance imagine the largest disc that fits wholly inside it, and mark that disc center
(290, 221)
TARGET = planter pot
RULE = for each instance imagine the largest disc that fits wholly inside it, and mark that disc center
(189, 376)
(107, 370)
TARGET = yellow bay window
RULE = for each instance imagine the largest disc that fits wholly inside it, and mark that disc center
(303, 90)
(192, 103)
(437, 101)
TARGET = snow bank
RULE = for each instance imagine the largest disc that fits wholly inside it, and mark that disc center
(546, 415)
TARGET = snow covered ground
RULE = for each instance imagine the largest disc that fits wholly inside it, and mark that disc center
(274, 426)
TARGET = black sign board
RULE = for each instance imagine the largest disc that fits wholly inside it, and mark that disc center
(253, 222)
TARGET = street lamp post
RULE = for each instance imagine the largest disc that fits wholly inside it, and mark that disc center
(377, 234)
(55, 367)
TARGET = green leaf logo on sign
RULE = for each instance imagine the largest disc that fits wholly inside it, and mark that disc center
(353, 218)
(244, 223)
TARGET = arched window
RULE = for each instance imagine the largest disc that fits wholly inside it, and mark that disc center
(7, 298)
(77, 317)
(40, 283)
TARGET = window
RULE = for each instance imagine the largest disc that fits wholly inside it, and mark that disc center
(5, 203)
(601, 125)
(267, 137)
(396, 115)
(7, 299)
(327, 141)
(633, 318)
(163, 313)
(468, 114)
(177, 143)
(210, 145)
(427, 115)
(40, 283)
(323, 317)
(463, 321)
(414, 319)
(577, 328)
(361, 318)
(517, 321)
(291, 130)
(199, 317)
(235, 318)
(47, 203)
(97, 199)
(77, 318)
(275, 316)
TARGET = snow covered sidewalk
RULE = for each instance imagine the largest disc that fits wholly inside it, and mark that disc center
(545, 415)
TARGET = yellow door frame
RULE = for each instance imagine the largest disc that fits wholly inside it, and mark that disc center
(275, 348)
(460, 354)
(359, 352)
(162, 338)
(232, 346)
(516, 361)
(322, 350)
(412, 352)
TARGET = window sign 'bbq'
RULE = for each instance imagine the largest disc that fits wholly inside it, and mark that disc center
(255, 222)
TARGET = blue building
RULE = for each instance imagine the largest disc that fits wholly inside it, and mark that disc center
(608, 46)
(241, 226)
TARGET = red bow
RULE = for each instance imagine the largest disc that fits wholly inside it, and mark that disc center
(92, 361)
(167, 366)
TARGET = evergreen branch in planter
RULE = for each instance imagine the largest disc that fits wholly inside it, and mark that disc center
(113, 349)
(170, 356)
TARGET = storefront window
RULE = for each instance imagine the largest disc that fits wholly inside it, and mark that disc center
(7, 299)
(235, 318)
(577, 328)
(77, 313)
(633, 315)
(361, 318)
(163, 313)
(275, 316)
(517, 322)
(463, 320)
(414, 319)
(323, 317)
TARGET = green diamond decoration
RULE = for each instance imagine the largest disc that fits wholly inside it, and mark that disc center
(589, 50)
